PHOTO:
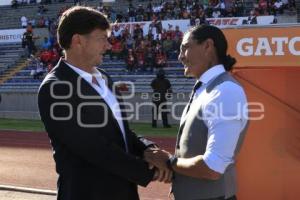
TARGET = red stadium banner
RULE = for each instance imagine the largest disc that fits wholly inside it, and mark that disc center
(265, 46)
(184, 24)
(236, 21)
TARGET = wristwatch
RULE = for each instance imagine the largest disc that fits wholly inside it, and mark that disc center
(171, 162)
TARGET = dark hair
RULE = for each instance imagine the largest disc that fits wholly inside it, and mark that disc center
(203, 32)
(79, 20)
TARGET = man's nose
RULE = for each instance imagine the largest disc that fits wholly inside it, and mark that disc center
(108, 45)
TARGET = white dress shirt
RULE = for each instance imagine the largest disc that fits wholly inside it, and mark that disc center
(105, 93)
(225, 115)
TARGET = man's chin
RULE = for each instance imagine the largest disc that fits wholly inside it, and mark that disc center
(186, 72)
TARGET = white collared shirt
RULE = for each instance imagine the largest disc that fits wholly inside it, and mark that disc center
(105, 93)
(229, 100)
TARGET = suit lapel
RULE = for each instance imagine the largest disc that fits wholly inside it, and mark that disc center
(83, 89)
(115, 91)
(117, 94)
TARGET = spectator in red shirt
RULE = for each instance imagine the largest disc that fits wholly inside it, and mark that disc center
(177, 34)
(46, 57)
(54, 56)
(262, 6)
(116, 48)
(140, 56)
(130, 60)
(160, 59)
(164, 34)
(170, 32)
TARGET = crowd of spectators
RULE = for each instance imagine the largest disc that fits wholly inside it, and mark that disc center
(140, 51)
(45, 57)
(273, 7)
(188, 9)
(178, 9)
(17, 3)
(41, 22)
(149, 51)
(145, 51)
(195, 10)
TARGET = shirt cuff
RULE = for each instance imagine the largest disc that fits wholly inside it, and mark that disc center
(215, 162)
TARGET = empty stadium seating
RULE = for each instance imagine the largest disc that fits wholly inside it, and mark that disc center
(9, 53)
(10, 56)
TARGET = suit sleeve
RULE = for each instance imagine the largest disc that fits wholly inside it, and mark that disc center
(87, 143)
(140, 144)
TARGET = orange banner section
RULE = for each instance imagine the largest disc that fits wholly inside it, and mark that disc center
(264, 46)
(269, 162)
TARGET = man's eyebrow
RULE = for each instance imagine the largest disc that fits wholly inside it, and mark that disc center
(185, 45)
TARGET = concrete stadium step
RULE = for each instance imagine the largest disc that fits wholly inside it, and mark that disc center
(287, 17)
(11, 71)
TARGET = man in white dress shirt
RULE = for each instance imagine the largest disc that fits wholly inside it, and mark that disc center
(97, 156)
(213, 123)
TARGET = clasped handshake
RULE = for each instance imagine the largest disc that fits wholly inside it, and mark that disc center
(157, 158)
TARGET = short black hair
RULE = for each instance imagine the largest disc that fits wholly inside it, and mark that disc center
(79, 20)
(201, 33)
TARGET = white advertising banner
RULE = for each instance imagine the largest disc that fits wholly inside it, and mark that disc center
(5, 2)
(184, 25)
(11, 36)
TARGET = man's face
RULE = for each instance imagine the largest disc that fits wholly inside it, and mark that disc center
(94, 45)
(193, 56)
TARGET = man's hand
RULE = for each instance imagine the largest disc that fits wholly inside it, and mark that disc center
(150, 149)
(157, 157)
(163, 175)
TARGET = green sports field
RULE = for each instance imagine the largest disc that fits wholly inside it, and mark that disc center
(37, 126)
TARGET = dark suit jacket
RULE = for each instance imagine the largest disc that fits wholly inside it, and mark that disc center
(92, 162)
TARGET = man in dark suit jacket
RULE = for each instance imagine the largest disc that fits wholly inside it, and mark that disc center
(97, 156)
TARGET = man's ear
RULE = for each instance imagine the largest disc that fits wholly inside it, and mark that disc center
(209, 44)
(211, 51)
(76, 40)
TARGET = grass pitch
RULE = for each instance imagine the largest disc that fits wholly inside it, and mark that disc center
(37, 126)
